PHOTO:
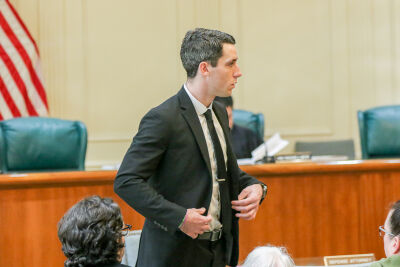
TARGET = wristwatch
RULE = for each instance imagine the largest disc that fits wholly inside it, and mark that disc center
(264, 194)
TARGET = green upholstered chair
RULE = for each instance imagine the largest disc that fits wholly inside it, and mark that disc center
(42, 144)
(380, 132)
(336, 148)
(250, 120)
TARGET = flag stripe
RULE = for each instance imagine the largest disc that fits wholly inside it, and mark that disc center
(18, 81)
(11, 87)
(22, 25)
(22, 35)
(21, 82)
(22, 52)
(4, 110)
(25, 37)
(20, 66)
(7, 97)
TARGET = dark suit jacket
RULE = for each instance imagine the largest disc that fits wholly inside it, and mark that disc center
(167, 170)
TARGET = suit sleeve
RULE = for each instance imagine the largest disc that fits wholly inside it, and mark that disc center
(139, 164)
(246, 180)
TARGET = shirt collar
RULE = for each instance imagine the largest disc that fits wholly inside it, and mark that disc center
(198, 106)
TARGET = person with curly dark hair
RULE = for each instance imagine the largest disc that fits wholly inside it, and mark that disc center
(92, 234)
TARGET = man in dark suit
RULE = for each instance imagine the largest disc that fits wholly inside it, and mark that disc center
(180, 171)
(244, 140)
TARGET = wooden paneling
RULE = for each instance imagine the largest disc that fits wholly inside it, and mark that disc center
(312, 209)
(31, 206)
(323, 209)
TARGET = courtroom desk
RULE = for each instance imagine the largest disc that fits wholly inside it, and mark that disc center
(31, 206)
(313, 209)
(319, 209)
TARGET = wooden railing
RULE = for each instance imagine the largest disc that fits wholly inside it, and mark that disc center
(312, 209)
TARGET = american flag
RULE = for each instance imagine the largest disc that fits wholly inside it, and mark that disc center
(21, 84)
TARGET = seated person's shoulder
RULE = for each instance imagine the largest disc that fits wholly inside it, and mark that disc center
(245, 133)
(244, 141)
(393, 261)
(243, 130)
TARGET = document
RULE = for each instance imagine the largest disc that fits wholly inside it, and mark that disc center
(270, 147)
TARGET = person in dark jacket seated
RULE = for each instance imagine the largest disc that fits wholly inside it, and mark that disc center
(92, 233)
(244, 140)
(390, 232)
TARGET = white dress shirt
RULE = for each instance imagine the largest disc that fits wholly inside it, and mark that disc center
(215, 205)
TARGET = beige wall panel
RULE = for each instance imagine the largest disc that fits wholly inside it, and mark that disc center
(361, 60)
(340, 70)
(75, 82)
(395, 15)
(307, 65)
(186, 17)
(130, 66)
(52, 47)
(362, 70)
(230, 18)
(131, 63)
(286, 55)
(207, 13)
(383, 51)
(106, 153)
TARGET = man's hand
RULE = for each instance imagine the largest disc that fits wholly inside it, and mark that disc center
(195, 223)
(248, 202)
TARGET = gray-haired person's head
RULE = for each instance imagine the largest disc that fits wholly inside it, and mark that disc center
(268, 256)
(200, 45)
(90, 232)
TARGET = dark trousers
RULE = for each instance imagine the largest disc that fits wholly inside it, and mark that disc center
(179, 251)
(214, 252)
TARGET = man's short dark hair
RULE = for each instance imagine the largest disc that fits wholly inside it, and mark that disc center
(395, 219)
(226, 101)
(200, 45)
(90, 232)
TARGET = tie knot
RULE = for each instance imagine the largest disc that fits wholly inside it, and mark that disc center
(207, 114)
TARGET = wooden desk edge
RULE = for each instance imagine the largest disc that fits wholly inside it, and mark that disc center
(55, 178)
(278, 169)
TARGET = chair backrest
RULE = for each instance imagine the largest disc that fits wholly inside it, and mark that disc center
(42, 144)
(380, 132)
(337, 148)
(250, 120)
(131, 248)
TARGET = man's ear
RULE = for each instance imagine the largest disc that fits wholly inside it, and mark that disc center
(396, 244)
(203, 68)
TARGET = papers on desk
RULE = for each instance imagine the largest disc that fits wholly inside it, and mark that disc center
(110, 167)
(269, 148)
(326, 158)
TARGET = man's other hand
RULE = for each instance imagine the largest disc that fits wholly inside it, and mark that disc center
(195, 223)
(248, 202)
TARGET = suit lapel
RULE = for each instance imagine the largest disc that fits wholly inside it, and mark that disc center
(190, 115)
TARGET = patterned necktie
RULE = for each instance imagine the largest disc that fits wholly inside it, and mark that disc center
(221, 172)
